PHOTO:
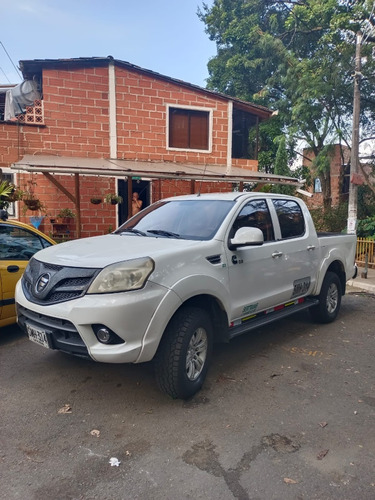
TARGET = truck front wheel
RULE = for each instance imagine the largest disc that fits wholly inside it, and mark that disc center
(182, 360)
(329, 300)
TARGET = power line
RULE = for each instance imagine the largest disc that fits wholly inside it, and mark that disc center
(3, 72)
(10, 59)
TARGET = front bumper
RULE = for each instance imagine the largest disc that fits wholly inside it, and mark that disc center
(68, 325)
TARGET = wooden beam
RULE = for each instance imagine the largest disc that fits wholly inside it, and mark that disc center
(74, 198)
(60, 186)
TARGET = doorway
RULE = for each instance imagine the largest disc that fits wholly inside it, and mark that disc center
(143, 189)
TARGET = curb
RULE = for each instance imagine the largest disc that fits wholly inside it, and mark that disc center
(368, 287)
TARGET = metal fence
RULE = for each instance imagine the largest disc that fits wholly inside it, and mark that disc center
(365, 247)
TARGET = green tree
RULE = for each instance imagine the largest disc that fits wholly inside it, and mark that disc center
(282, 168)
(296, 56)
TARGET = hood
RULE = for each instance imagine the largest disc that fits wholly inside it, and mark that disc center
(100, 251)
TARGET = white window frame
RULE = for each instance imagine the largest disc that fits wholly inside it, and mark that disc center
(210, 127)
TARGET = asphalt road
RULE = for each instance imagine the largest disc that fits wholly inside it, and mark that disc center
(287, 412)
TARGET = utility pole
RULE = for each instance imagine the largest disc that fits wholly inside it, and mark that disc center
(353, 188)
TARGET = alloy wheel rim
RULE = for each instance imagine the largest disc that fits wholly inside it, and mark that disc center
(196, 354)
(332, 298)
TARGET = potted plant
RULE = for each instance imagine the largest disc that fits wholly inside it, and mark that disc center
(5, 192)
(32, 204)
(66, 214)
(113, 198)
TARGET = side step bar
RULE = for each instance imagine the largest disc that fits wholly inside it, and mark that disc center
(265, 317)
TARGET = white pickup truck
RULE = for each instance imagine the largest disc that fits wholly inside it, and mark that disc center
(180, 275)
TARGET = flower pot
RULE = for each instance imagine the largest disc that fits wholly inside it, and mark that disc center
(96, 201)
(33, 204)
(36, 221)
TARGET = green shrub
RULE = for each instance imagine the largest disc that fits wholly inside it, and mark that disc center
(332, 220)
(366, 228)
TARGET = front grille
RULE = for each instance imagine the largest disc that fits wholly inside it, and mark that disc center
(47, 284)
(62, 334)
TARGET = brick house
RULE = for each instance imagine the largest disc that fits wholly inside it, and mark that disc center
(104, 126)
(336, 183)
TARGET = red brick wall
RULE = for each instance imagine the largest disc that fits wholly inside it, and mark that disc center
(76, 112)
(178, 187)
(76, 123)
(9, 140)
(142, 119)
(97, 219)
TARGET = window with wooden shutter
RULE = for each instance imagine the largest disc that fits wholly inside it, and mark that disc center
(188, 129)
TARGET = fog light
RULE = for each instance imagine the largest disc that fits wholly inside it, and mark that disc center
(104, 335)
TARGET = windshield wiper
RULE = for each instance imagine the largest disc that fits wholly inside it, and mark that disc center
(162, 232)
(132, 230)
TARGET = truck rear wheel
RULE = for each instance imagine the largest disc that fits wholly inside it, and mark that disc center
(329, 300)
(184, 353)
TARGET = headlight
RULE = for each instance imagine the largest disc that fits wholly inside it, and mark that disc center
(123, 276)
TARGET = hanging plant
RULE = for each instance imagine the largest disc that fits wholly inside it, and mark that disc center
(113, 198)
(33, 204)
(95, 200)
(29, 198)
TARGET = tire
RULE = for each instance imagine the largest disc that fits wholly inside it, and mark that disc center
(184, 354)
(329, 300)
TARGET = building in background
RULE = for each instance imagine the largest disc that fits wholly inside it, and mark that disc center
(335, 185)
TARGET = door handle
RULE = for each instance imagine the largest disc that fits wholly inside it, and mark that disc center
(310, 247)
(13, 269)
(275, 255)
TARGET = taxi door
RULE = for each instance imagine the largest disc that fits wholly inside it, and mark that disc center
(10, 273)
(18, 243)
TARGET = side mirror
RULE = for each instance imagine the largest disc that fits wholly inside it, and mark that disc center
(246, 236)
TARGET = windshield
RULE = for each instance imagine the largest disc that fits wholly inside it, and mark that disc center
(186, 219)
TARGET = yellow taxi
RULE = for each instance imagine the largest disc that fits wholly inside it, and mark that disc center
(18, 243)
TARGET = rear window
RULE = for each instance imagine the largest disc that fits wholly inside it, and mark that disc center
(291, 220)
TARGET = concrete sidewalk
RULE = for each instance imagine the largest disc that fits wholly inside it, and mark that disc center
(366, 284)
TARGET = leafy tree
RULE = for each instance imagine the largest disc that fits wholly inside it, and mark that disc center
(268, 133)
(282, 168)
(366, 228)
(296, 56)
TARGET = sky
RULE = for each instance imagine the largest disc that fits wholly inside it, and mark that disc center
(165, 36)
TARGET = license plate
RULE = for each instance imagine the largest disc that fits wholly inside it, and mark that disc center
(37, 335)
